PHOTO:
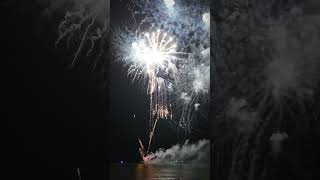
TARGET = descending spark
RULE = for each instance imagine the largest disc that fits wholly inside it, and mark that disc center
(78, 174)
(82, 41)
(141, 145)
(141, 150)
(151, 135)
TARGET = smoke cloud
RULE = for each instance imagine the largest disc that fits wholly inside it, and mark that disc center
(243, 119)
(186, 153)
(294, 69)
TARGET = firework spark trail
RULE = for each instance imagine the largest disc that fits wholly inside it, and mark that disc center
(78, 174)
(142, 150)
(151, 135)
(87, 19)
(83, 39)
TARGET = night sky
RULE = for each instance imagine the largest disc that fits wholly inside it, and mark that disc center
(54, 117)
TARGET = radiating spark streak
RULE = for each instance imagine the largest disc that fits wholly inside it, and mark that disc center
(83, 38)
(141, 145)
(151, 135)
(142, 150)
(78, 174)
(130, 9)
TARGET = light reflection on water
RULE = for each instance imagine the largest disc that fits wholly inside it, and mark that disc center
(158, 172)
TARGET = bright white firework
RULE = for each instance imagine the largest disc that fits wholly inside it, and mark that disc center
(155, 51)
(206, 19)
(169, 3)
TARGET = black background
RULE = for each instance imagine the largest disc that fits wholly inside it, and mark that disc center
(54, 118)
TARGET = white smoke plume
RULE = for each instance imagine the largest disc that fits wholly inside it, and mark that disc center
(186, 153)
(293, 72)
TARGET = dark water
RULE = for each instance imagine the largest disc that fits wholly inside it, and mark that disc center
(159, 172)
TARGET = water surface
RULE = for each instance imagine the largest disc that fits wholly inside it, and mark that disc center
(142, 171)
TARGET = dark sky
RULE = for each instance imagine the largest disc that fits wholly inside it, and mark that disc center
(54, 117)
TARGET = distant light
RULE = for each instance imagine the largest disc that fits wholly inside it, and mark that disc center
(169, 3)
(121, 162)
(196, 106)
(206, 19)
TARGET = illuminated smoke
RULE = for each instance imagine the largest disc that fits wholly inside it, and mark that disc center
(241, 117)
(292, 75)
(196, 106)
(169, 3)
(186, 153)
(294, 70)
(201, 80)
(206, 19)
(185, 97)
(276, 141)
